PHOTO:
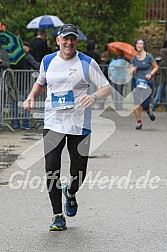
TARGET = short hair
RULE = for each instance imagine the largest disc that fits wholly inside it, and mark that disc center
(41, 32)
(104, 54)
(26, 43)
(91, 46)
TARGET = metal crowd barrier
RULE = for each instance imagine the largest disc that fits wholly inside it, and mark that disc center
(158, 77)
(15, 85)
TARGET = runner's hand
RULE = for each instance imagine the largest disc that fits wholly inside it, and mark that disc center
(86, 100)
(28, 103)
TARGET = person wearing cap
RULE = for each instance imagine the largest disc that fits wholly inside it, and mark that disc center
(68, 76)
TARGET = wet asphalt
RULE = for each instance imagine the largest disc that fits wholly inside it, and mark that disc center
(122, 204)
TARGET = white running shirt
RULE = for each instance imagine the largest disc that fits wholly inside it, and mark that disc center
(66, 81)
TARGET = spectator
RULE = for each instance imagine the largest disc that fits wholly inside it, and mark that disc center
(4, 59)
(165, 44)
(56, 48)
(49, 47)
(91, 51)
(117, 68)
(161, 80)
(39, 46)
(104, 63)
(9, 78)
(26, 63)
(104, 67)
(4, 63)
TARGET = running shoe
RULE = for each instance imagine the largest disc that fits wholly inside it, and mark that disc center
(151, 115)
(139, 126)
(59, 223)
(70, 206)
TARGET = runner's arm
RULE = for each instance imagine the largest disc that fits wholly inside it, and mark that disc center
(36, 91)
(87, 100)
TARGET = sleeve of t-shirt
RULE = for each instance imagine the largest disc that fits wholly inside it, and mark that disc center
(42, 76)
(96, 75)
(132, 61)
(151, 58)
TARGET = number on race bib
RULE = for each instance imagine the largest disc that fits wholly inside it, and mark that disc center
(62, 100)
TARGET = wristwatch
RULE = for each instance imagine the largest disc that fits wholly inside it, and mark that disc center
(94, 97)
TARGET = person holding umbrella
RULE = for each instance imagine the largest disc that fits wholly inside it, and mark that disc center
(118, 72)
(13, 46)
(144, 67)
(26, 63)
(4, 64)
(67, 75)
(4, 59)
(39, 46)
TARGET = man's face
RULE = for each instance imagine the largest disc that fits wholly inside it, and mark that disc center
(68, 45)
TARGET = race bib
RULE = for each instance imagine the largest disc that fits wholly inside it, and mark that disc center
(62, 100)
(141, 83)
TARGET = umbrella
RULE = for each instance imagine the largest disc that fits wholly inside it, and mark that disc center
(13, 45)
(45, 21)
(2, 27)
(128, 50)
(81, 35)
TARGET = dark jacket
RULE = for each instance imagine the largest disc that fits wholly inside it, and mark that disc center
(90, 51)
(161, 76)
(9, 80)
(27, 62)
(5, 60)
(39, 48)
(10, 84)
(104, 68)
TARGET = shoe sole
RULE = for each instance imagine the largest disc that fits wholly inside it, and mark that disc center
(56, 228)
(139, 127)
(152, 119)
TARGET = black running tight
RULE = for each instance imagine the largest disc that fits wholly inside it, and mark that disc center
(78, 148)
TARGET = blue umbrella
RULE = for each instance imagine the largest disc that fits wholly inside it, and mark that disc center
(13, 45)
(81, 35)
(45, 21)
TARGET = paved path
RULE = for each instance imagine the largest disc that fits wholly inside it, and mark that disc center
(119, 210)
